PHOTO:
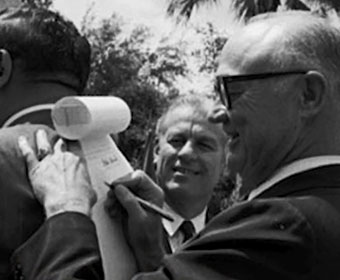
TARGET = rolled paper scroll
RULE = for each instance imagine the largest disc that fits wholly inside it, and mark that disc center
(91, 120)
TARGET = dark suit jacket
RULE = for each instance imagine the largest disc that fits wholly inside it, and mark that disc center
(56, 252)
(291, 231)
(21, 215)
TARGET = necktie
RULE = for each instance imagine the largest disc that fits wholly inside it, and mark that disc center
(188, 230)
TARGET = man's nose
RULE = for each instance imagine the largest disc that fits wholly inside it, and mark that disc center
(187, 151)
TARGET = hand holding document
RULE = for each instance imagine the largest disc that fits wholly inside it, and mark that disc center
(90, 120)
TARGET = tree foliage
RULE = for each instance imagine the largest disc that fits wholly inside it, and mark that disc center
(182, 9)
(248, 8)
(163, 65)
(126, 67)
(46, 4)
(212, 44)
(245, 9)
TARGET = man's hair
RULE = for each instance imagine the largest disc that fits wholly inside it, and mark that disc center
(200, 104)
(44, 42)
(310, 42)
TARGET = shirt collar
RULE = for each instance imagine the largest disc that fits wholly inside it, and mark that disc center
(172, 227)
(13, 119)
(293, 168)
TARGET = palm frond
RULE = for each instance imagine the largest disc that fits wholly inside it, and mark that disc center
(329, 8)
(249, 8)
(322, 4)
(182, 9)
(246, 9)
(294, 5)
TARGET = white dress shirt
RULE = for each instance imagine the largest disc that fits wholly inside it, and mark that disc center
(175, 236)
(292, 169)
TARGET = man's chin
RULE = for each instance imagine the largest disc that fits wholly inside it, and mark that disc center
(178, 186)
(175, 185)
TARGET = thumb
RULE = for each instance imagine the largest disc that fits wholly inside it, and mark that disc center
(128, 200)
(28, 153)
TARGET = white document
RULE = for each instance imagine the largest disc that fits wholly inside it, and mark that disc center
(104, 161)
(90, 120)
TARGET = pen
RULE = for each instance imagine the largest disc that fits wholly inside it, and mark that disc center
(151, 207)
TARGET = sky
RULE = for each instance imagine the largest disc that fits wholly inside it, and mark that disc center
(149, 12)
(152, 13)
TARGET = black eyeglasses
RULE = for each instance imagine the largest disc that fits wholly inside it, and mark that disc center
(221, 84)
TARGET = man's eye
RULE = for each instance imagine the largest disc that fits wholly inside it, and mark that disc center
(175, 141)
(206, 146)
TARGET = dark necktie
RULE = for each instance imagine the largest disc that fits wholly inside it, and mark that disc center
(188, 230)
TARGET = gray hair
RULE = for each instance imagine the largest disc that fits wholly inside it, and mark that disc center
(201, 105)
(310, 42)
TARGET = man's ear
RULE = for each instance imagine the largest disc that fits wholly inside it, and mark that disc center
(5, 67)
(314, 93)
(156, 151)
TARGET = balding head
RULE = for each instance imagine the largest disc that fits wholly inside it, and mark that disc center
(287, 40)
(277, 118)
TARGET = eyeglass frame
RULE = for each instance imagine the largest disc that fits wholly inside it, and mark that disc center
(222, 81)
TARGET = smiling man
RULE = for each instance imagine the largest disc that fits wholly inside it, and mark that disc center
(189, 158)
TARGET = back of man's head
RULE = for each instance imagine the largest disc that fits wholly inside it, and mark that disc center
(305, 40)
(44, 42)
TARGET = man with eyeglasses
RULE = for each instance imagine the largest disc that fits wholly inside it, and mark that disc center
(278, 79)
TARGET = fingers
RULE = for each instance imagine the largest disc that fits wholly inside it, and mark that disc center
(112, 205)
(143, 186)
(132, 179)
(59, 146)
(43, 148)
(74, 147)
(136, 179)
(128, 201)
(43, 145)
(27, 152)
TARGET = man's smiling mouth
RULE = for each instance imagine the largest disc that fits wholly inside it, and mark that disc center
(184, 170)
